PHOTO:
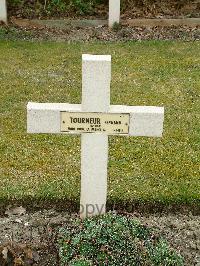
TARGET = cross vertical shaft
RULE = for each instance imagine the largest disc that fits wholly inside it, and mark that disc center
(114, 12)
(3, 11)
(96, 77)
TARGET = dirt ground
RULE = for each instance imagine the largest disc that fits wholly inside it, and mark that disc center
(32, 237)
(60, 31)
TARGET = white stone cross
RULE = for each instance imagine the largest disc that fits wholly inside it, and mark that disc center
(114, 12)
(3, 11)
(94, 119)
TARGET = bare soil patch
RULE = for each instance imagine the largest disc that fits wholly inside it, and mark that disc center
(78, 31)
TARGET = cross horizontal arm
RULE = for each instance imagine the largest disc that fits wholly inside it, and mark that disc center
(144, 120)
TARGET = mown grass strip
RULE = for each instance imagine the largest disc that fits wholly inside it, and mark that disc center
(142, 169)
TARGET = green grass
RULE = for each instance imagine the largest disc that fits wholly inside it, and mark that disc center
(141, 169)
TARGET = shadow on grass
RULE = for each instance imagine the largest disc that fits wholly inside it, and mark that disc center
(72, 206)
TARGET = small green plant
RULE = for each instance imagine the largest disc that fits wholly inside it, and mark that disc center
(17, 2)
(37, 8)
(83, 7)
(12, 33)
(116, 26)
(114, 240)
(59, 4)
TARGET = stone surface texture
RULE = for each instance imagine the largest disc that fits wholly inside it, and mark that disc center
(114, 12)
(145, 121)
(3, 11)
(96, 78)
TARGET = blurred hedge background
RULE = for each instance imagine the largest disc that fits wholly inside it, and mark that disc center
(99, 8)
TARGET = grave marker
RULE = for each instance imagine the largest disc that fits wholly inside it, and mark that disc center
(114, 12)
(94, 119)
(3, 11)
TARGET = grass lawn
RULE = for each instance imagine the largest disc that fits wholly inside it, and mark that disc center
(160, 73)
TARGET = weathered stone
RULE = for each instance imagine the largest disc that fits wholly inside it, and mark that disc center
(3, 11)
(114, 12)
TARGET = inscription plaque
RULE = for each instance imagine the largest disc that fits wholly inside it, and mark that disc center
(108, 123)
